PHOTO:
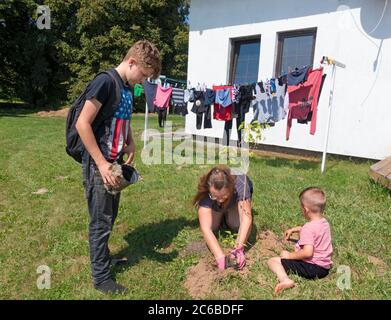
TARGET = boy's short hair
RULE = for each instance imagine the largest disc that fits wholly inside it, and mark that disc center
(314, 199)
(146, 53)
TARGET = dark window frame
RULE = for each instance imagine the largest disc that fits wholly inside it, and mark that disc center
(235, 42)
(290, 34)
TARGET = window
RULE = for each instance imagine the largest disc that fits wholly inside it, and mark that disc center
(295, 50)
(245, 61)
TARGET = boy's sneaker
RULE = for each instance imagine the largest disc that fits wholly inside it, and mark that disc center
(118, 261)
(110, 286)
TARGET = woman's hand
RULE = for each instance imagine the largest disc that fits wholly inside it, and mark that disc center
(238, 254)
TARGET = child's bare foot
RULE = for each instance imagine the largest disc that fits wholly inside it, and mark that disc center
(284, 285)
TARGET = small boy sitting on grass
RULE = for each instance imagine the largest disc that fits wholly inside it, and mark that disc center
(313, 251)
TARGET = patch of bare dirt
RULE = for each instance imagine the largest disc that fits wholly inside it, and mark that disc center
(78, 263)
(202, 277)
(379, 264)
(62, 178)
(57, 113)
(306, 156)
(232, 294)
(41, 191)
(123, 227)
(267, 245)
(167, 249)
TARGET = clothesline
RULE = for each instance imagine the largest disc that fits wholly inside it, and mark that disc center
(151, 85)
(302, 90)
(269, 99)
(299, 107)
(173, 80)
(203, 86)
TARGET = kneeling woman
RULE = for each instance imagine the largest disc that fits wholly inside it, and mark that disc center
(225, 196)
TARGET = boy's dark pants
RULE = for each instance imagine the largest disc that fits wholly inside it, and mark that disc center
(103, 209)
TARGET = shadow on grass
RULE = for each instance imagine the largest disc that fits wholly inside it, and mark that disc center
(146, 240)
(20, 109)
(16, 109)
(252, 238)
(297, 164)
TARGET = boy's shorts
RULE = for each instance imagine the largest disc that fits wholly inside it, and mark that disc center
(304, 269)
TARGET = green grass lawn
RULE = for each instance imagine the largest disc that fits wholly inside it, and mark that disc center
(156, 221)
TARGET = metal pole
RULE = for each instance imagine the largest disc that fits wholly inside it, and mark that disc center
(326, 140)
(335, 64)
(145, 124)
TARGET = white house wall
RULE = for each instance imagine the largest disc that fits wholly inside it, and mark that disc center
(360, 124)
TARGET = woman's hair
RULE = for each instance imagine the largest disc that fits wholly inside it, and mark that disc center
(219, 177)
(147, 55)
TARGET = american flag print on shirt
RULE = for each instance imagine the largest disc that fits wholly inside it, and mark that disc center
(120, 123)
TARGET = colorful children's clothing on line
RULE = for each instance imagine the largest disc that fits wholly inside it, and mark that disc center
(303, 99)
(138, 89)
(162, 98)
(220, 112)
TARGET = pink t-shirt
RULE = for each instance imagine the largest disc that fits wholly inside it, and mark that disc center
(317, 233)
(162, 98)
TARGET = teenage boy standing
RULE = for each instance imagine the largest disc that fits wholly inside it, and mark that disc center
(108, 144)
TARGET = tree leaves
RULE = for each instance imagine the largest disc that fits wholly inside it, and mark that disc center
(50, 67)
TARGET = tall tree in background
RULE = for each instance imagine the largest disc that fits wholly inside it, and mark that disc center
(86, 36)
(28, 68)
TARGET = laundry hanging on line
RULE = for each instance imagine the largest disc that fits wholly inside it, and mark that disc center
(298, 76)
(150, 89)
(161, 103)
(303, 100)
(137, 90)
(202, 102)
(269, 104)
(270, 100)
(222, 110)
(178, 101)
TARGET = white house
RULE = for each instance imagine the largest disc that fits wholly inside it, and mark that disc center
(355, 32)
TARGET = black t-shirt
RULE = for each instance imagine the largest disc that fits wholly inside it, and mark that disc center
(112, 136)
(298, 76)
(243, 191)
